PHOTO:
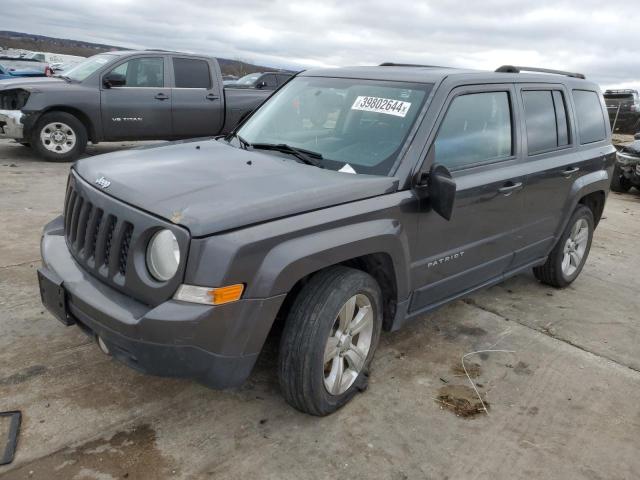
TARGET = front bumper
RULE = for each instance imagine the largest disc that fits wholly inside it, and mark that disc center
(11, 124)
(215, 345)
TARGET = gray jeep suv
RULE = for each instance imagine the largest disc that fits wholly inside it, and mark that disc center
(352, 201)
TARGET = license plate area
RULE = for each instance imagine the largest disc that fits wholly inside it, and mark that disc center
(53, 295)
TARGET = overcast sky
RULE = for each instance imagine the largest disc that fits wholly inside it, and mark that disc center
(596, 37)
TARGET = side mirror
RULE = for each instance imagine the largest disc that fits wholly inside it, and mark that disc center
(439, 187)
(114, 80)
(261, 84)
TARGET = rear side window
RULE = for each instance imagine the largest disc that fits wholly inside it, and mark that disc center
(476, 129)
(546, 120)
(191, 73)
(590, 118)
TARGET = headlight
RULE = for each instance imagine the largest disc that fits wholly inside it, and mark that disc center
(163, 255)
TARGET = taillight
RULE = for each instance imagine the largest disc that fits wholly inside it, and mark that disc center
(47, 71)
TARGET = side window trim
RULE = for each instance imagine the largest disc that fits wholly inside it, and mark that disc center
(474, 89)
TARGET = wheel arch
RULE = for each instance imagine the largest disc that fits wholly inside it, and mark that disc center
(92, 132)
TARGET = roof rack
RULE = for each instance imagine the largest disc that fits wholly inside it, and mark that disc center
(392, 64)
(516, 69)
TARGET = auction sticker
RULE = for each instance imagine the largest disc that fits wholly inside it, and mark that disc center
(389, 106)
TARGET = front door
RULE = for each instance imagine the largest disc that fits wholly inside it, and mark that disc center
(141, 108)
(478, 142)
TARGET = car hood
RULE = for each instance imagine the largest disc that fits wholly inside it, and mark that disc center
(25, 82)
(208, 186)
(632, 148)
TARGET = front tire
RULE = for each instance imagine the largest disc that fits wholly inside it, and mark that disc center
(59, 137)
(567, 258)
(329, 340)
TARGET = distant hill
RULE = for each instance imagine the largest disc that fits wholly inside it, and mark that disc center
(41, 43)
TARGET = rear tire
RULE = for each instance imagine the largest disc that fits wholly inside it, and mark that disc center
(567, 258)
(619, 183)
(59, 137)
(329, 340)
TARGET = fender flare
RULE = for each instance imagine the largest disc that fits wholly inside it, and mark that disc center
(290, 261)
(598, 181)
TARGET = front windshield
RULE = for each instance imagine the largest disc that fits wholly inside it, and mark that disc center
(248, 79)
(356, 125)
(84, 69)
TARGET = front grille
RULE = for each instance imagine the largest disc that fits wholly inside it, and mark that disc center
(107, 239)
(97, 238)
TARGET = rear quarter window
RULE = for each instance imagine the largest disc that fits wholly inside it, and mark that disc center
(591, 127)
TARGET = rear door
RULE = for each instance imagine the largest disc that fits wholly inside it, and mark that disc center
(197, 98)
(478, 141)
(562, 128)
(140, 109)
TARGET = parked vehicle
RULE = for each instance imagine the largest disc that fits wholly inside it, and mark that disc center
(22, 67)
(128, 95)
(352, 201)
(627, 169)
(12, 73)
(624, 110)
(262, 80)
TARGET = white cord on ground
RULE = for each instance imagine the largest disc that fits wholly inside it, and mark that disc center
(469, 377)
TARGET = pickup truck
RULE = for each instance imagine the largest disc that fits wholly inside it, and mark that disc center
(262, 80)
(354, 200)
(125, 95)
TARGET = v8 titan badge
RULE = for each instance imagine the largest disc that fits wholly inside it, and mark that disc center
(389, 106)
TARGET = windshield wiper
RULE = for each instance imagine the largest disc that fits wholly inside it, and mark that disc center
(306, 156)
(64, 77)
(243, 143)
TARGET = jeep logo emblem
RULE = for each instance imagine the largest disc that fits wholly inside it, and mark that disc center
(102, 182)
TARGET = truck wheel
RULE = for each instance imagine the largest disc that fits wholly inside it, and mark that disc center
(619, 183)
(59, 137)
(567, 258)
(329, 340)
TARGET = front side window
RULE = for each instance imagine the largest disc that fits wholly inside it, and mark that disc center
(191, 73)
(362, 123)
(546, 120)
(590, 118)
(269, 82)
(248, 80)
(476, 129)
(142, 72)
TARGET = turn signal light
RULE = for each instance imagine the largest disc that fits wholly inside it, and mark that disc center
(209, 296)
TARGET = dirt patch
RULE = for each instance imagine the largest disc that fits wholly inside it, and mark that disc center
(461, 400)
(23, 376)
(473, 369)
(127, 454)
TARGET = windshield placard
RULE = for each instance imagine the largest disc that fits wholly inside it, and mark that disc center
(388, 106)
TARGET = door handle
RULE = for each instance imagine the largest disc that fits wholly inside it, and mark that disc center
(570, 171)
(212, 97)
(510, 188)
(161, 96)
